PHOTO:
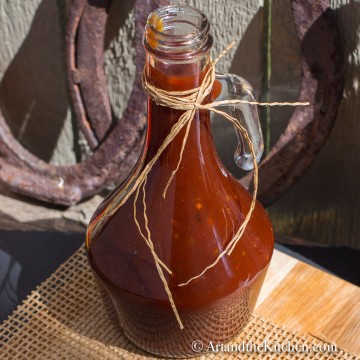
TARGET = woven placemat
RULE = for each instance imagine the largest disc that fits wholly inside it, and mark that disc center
(64, 318)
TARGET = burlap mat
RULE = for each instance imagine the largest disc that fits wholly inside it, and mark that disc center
(64, 318)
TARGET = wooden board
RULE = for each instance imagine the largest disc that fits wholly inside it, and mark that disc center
(33, 87)
(323, 205)
(309, 300)
(31, 215)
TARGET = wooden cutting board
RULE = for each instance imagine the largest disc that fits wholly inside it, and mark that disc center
(306, 299)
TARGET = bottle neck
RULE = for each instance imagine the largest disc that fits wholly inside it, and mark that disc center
(177, 44)
(172, 76)
(176, 76)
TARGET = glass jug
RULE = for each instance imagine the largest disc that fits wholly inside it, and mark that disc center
(204, 207)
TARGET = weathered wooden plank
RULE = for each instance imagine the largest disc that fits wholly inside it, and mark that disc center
(240, 21)
(17, 214)
(324, 205)
(120, 54)
(33, 89)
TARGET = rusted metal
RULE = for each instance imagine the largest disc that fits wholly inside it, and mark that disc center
(85, 68)
(115, 143)
(25, 174)
(321, 84)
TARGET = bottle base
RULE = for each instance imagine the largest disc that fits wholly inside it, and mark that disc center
(152, 327)
(215, 324)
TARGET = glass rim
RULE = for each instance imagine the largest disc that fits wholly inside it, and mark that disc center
(177, 46)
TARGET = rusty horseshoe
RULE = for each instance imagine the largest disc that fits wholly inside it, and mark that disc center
(113, 142)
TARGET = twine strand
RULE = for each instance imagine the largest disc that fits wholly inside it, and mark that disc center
(150, 244)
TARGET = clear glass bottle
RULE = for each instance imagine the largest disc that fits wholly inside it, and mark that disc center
(203, 209)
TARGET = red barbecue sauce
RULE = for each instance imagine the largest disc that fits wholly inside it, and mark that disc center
(203, 208)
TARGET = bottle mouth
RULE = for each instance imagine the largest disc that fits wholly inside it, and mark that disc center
(177, 33)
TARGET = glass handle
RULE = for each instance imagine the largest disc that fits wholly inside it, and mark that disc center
(234, 87)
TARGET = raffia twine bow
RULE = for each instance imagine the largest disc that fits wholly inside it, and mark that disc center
(189, 101)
